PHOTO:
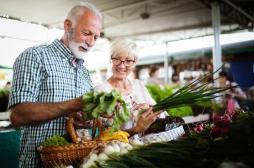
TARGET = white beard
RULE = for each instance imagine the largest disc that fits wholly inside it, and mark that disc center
(74, 47)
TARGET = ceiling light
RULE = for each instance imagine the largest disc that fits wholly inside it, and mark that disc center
(145, 15)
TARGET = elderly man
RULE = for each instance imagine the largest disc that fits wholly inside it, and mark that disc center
(49, 80)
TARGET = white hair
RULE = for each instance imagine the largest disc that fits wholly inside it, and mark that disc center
(80, 8)
(119, 46)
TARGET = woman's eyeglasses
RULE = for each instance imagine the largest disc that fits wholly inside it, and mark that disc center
(126, 62)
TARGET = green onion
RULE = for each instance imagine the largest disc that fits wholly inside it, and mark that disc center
(191, 94)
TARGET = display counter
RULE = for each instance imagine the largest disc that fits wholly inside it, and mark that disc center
(9, 147)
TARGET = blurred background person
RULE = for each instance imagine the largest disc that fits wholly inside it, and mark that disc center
(226, 79)
(153, 79)
(175, 80)
(233, 96)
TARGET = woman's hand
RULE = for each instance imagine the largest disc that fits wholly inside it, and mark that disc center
(142, 106)
(145, 119)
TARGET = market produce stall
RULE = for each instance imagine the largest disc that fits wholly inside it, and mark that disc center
(213, 147)
(108, 112)
(225, 142)
(168, 142)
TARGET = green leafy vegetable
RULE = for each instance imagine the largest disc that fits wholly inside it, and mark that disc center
(55, 140)
(180, 111)
(105, 104)
(158, 92)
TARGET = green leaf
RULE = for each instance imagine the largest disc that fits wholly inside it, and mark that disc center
(98, 103)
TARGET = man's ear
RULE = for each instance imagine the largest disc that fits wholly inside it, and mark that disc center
(67, 25)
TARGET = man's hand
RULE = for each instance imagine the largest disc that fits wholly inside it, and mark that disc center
(79, 120)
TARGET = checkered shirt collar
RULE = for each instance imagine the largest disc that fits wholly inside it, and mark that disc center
(66, 52)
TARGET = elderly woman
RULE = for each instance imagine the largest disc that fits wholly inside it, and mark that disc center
(123, 59)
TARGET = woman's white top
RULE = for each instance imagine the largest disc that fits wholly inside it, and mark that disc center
(139, 94)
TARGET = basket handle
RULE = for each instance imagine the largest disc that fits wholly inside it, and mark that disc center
(73, 134)
(71, 130)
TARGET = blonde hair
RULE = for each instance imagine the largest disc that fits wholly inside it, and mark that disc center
(119, 46)
(79, 9)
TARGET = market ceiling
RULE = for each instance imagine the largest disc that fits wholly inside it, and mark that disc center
(160, 20)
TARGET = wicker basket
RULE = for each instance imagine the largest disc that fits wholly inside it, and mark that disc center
(71, 154)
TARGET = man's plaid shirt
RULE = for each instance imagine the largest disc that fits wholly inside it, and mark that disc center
(45, 73)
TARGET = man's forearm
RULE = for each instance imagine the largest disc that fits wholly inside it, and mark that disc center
(36, 113)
